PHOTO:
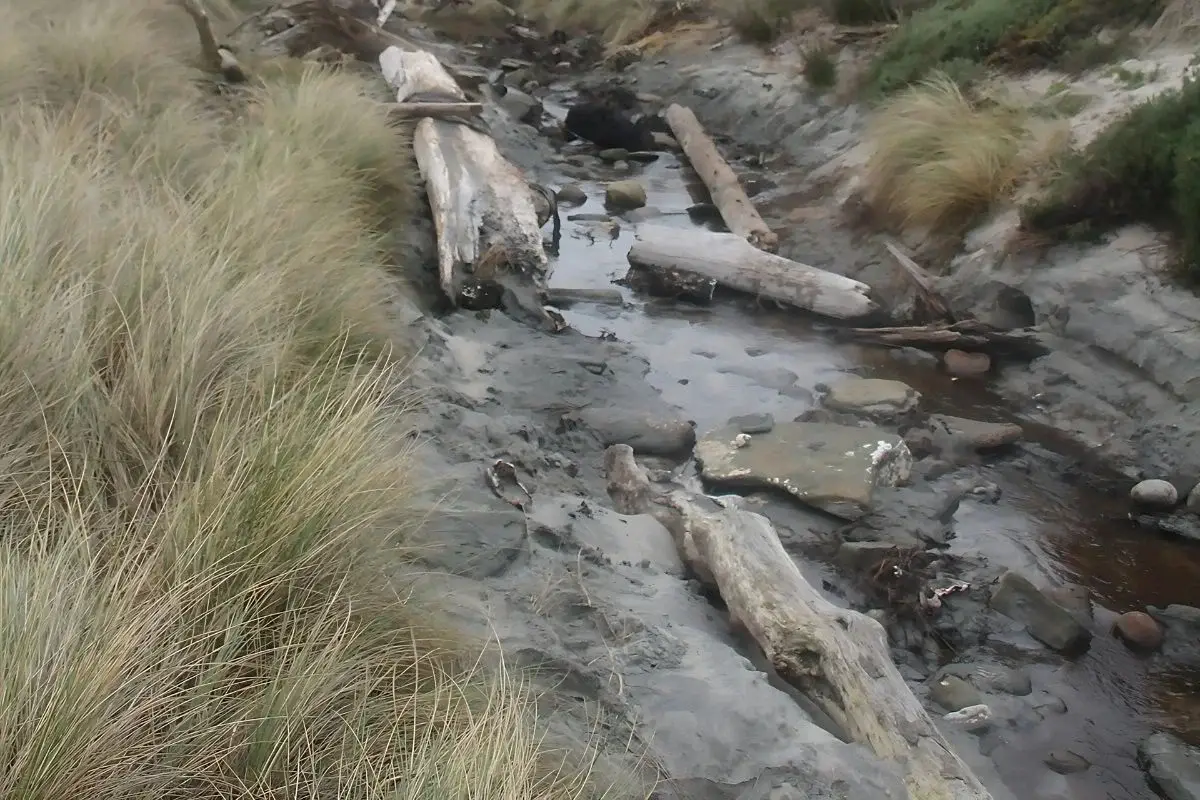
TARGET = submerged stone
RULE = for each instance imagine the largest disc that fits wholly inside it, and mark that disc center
(873, 397)
(832, 467)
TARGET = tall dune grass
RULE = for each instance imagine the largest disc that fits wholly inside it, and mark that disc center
(203, 475)
(939, 158)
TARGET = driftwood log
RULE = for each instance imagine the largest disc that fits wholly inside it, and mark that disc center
(489, 239)
(740, 215)
(734, 263)
(935, 305)
(968, 334)
(838, 657)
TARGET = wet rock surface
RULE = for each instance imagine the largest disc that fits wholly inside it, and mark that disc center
(832, 467)
(1048, 622)
(1174, 766)
(598, 602)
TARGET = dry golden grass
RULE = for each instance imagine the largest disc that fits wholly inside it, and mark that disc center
(939, 158)
(617, 22)
(200, 442)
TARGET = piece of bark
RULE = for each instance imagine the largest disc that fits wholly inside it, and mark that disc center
(933, 301)
(408, 111)
(564, 297)
(740, 215)
(970, 335)
(489, 239)
(837, 657)
(733, 262)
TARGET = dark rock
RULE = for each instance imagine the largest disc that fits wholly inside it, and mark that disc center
(958, 432)
(523, 107)
(866, 556)
(613, 154)
(962, 364)
(1074, 598)
(753, 423)
(572, 194)
(1183, 525)
(993, 678)
(1066, 762)
(1173, 766)
(872, 397)
(953, 693)
(608, 127)
(624, 195)
(1048, 622)
(645, 433)
(1139, 630)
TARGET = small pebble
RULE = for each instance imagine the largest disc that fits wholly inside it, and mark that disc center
(962, 364)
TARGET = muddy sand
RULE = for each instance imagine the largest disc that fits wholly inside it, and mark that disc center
(599, 606)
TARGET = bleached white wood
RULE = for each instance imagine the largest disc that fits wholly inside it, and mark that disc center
(483, 209)
(740, 215)
(733, 262)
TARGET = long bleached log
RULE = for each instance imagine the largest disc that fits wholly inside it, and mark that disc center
(489, 239)
(734, 263)
(839, 658)
(740, 215)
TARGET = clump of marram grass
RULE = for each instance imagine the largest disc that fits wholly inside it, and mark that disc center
(202, 443)
(940, 158)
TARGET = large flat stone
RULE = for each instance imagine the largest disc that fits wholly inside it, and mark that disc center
(1017, 598)
(832, 467)
(1174, 766)
(872, 397)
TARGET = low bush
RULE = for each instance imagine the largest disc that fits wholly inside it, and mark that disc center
(1142, 168)
(820, 67)
(1005, 33)
(764, 21)
(939, 157)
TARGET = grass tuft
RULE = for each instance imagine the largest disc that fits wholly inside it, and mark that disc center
(821, 67)
(940, 158)
(203, 439)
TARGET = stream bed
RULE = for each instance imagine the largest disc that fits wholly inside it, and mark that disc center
(736, 358)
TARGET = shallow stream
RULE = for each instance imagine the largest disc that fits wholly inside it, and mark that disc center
(735, 358)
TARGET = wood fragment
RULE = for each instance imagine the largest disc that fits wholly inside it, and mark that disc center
(740, 215)
(408, 111)
(922, 281)
(489, 240)
(970, 335)
(730, 260)
(385, 13)
(565, 297)
(219, 59)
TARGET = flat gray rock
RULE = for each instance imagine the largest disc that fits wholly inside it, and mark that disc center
(648, 434)
(872, 397)
(831, 467)
(973, 433)
(1048, 622)
(1174, 766)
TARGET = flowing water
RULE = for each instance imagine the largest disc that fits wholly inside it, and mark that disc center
(732, 358)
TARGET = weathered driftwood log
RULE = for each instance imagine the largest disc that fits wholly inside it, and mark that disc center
(839, 658)
(489, 239)
(935, 304)
(733, 262)
(966, 335)
(672, 283)
(740, 215)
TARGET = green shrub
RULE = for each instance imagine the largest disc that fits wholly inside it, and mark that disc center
(820, 67)
(764, 21)
(1008, 33)
(862, 12)
(1143, 168)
